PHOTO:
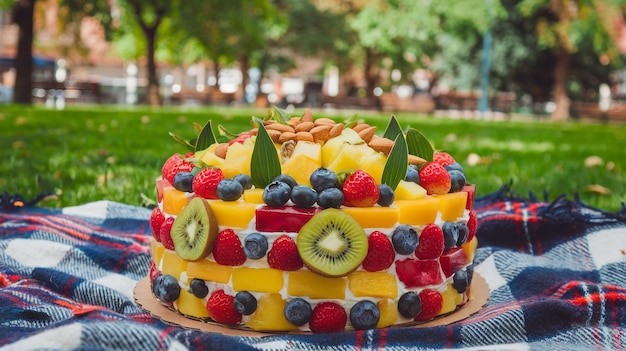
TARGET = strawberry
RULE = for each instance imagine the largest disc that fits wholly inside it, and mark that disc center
(205, 182)
(435, 179)
(221, 309)
(228, 250)
(165, 233)
(472, 225)
(153, 271)
(240, 138)
(380, 254)
(173, 166)
(431, 301)
(360, 190)
(443, 158)
(431, 243)
(328, 317)
(284, 255)
(156, 220)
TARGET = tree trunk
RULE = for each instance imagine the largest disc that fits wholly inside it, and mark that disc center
(561, 72)
(23, 12)
(244, 65)
(371, 73)
(154, 96)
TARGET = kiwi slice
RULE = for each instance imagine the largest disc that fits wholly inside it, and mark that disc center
(332, 243)
(194, 230)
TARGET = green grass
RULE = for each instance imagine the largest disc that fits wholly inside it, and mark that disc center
(94, 153)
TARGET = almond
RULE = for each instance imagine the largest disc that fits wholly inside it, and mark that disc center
(335, 130)
(304, 126)
(280, 127)
(307, 116)
(254, 131)
(321, 133)
(360, 126)
(293, 121)
(304, 136)
(274, 134)
(323, 120)
(367, 133)
(416, 160)
(286, 136)
(383, 145)
(221, 150)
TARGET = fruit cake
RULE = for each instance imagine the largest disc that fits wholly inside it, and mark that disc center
(307, 224)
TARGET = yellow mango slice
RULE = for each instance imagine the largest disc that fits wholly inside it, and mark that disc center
(450, 298)
(470, 249)
(315, 286)
(269, 314)
(233, 214)
(174, 201)
(209, 271)
(190, 305)
(374, 165)
(306, 158)
(388, 312)
(409, 191)
(374, 217)
(253, 196)
(417, 212)
(173, 264)
(237, 159)
(373, 284)
(267, 280)
(210, 159)
(156, 251)
(452, 205)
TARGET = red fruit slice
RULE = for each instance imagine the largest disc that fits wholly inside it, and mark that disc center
(431, 243)
(287, 219)
(228, 250)
(435, 179)
(221, 309)
(432, 301)
(418, 273)
(470, 189)
(284, 255)
(166, 233)
(156, 220)
(328, 317)
(452, 260)
(360, 190)
(472, 225)
(380, 253)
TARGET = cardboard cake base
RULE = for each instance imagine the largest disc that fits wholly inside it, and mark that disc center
(145, 299)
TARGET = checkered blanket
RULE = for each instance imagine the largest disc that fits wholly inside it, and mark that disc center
(556, 273)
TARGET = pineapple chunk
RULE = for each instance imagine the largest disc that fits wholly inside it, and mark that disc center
(388, 313)
(210, 159)
(409, 191)
(269, 314)
(374, 217)
(253, 196)
(452, 205)
(315, 286)
(156, 251)
(173, 264)
(209, 270)
(268, 280)
(331, 148)
(190, 305)
(350, 156)
(237, 159)
(306, 158)
(374, 165)
(373, 284)
(233, 214)
(450, 300)
(174, 201)
(417, 212)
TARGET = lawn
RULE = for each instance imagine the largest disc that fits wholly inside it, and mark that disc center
(93, 153)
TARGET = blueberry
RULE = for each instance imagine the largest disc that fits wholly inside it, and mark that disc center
(229, 190)
(182, 181)
(323, 178)
(286, 179)
(303, 196)
(331, 197)
(409, 304)
(459, 281)
(255, 245)
(298, 311)
(166, 288)
(404, 239)
(412, 174)
(244, 179)
(198, 288)
(450, 234)
(245, 303)
(364, 315)
(463, 233)
(386, 195)
(457, 179)
(276, 194)
(454, 167)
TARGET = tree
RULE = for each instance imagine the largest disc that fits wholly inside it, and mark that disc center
(23, 12)
(563, 27)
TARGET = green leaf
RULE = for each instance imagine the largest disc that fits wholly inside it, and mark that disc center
(225, 132)
(277, 114)
(183, 141)
(418, 145)
(206, 137)
(264, 165)
(393, 129)
(397, 163)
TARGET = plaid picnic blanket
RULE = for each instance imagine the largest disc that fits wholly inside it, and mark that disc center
(556, 273)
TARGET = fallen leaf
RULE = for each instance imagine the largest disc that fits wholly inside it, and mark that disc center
(598, 189)
(593, 161)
